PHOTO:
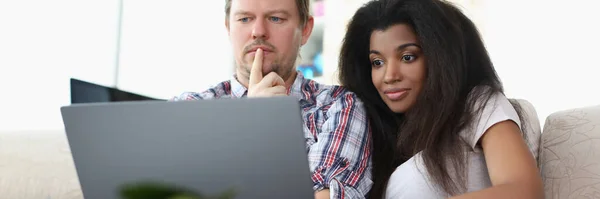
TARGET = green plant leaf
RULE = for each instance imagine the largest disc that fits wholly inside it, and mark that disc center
(153, 190)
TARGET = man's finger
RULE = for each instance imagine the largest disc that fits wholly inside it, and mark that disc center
(277, 90)
(272, 79)
(256, 70)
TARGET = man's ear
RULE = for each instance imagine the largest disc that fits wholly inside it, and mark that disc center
(307, 30)
(227, 25)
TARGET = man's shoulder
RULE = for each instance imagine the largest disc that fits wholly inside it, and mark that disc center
(328, 95)
(220, 90)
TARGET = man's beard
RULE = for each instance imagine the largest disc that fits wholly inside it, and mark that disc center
(283, 69)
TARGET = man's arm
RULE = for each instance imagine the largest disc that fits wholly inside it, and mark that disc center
(186, 96)
(341, 157)
(221, 90)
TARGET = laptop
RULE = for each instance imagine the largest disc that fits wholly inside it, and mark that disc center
(87, 92)
(254, 146)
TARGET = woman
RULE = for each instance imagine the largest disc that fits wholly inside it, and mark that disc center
(442, 126)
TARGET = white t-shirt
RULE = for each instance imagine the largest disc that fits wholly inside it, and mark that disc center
(411, 180)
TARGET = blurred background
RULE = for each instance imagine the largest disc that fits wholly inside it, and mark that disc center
(545, 51)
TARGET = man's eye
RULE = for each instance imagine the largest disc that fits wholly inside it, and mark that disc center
(245, 19)
(276, 19)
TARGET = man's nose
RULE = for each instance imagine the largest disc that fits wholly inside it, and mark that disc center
(259, 30)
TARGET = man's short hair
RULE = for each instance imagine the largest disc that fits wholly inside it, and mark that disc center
(302, 5)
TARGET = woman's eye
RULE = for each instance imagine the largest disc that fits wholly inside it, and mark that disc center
(377, 62)
(408, 58)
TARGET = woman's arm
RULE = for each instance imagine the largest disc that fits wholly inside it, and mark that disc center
(512, 168)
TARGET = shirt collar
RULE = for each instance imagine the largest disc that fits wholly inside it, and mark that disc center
(237, 89)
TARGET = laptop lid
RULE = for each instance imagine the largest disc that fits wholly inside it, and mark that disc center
(87, 92)
(254, 146)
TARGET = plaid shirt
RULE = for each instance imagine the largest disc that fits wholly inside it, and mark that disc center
(336, 130)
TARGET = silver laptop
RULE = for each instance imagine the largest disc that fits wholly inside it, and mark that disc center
(253, 147)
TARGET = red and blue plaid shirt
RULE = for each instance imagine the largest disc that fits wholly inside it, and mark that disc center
(336, 130)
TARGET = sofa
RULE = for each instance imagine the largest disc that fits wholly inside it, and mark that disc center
(570, 154)
(37, 165)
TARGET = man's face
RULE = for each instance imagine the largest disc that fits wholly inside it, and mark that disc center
(273, 25)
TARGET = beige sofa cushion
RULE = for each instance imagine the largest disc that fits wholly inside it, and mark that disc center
(570, 158)
(37, 165)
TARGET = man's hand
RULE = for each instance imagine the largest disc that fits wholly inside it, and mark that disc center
(323, 194)
(268, 86)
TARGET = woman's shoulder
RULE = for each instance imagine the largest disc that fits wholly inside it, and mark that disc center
(490, 107)
(481, 93)
(486, 98)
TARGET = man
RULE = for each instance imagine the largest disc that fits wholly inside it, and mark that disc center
(266, 36)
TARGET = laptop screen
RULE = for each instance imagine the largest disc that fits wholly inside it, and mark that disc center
(86, 92)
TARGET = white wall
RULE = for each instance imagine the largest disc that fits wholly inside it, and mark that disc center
(173, 46)
(44, 43)
(167, 47)
(546, 51)
(337, 16)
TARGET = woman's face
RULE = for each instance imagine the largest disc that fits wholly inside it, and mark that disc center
(397, 66)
